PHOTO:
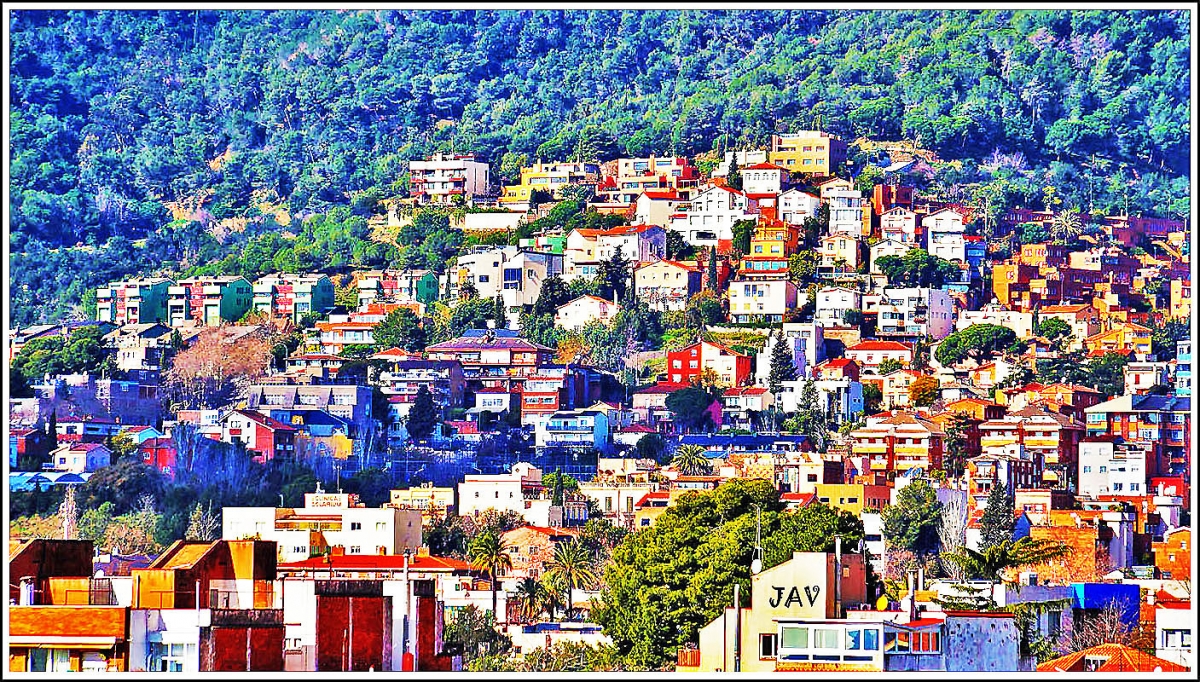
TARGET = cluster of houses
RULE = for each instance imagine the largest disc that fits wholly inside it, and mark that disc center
(1108, 475)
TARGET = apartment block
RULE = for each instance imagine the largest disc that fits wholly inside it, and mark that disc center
(293, 296)
(812, 152)
(134, 301)
(209, 301)
(443, 178)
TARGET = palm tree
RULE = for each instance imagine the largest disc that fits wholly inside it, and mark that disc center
(1066, 225)
(531, 595)
(488, 552)
(573, 566)
(689, 460)
(991, 563)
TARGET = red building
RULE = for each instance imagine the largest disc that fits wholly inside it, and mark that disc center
(268, 437)
(160, 454)
(687, 365)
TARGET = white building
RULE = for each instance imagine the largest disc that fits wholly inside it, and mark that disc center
(445, 176)
(833, 303)
(656, 207)
(1109, 468)
(760, 298)
(1140, 377)
(337, 519)
(745, 157)
(711, 215)
(873, 539)
(840, 399)
(899, 224)
(1016, 320)
(576, 313)
(509, 272)
(911, 312)
(887, 247)
(519, 491)
(849, 213)
(870, 354)
(944, 235)
(666, 285)
(1174, 628)
(795, 206)
(78, 458)
(764, 178)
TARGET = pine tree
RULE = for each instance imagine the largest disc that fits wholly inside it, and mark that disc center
(423, 416)
(712, 269)
(734, 177)
(783, 366)
(998, 522)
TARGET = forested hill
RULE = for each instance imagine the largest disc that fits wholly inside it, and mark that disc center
(116, 113)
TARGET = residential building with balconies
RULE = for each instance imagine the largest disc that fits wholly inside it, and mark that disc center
(210, 301)
(812, 152)
(666, 285)
(444, 177)
(1161, 422)
(1050, 438)
(898, 443)
(293, 296)
(849, 213)
(944, 235)
(911, 313)
(134, 301)
(711, 214)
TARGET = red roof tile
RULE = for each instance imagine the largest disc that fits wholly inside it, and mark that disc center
(880, 345)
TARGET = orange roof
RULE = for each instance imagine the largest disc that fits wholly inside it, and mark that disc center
(880, 345)
(1120, 659)
(544, 530)
(765, 166)
(667, 194)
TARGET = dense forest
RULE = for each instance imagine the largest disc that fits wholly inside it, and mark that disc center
(119, 115)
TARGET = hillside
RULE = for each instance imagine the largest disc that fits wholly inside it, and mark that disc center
(118, 115)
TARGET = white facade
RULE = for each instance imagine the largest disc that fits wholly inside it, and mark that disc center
(1106, 468)
(745, 157)
(1019, 322)
(656, 208)
(873, 539)
(944, 235)
(1174, 629)
(833, 303)
(887, 247)
(509, 272)
(911, 312)
(360, 530)
(841, 399)
(574, 428)
(759, 298)
(575, 314)
(444, 176)
(78, 458)
(795, 206)
(846, 208)
(711, 215)
(502, 492)
(666, 285)
(899, 224)
(763, 178)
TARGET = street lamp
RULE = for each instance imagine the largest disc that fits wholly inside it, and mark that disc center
(756, 564)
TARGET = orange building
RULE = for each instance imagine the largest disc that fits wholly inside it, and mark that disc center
(1173, 556)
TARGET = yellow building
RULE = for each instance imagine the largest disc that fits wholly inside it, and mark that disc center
(1124, 337)
(548, 177)
(433, 503)
(808, 151)
(777, 239)
(854, 497)
(802, 587)
(1181, 299)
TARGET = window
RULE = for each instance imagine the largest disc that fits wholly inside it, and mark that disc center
(483, 278)
(826, 638)
(767, 645)
(1087, 469)
(812, 478)
(356, 549)
(795, 638)
(355, 525)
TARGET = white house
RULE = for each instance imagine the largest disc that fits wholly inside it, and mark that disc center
(442, 177)
(1109, 468)
(575, 314)
(841, 399)
(581, 254)
(944, 235)
(711, 215)
(899, 224)
(344, 523)
(510, 272)
(78, 458)
(795, 206)
(587, 428)
(887, 247)
(745, 157)
(849, 213)
(764, 178)
(666, 285)
(911, 312)
(638, 243)
(762, 299)
(1174, 628)
(1016, 320)
(502, 492)
(833, 303)
(869, 354)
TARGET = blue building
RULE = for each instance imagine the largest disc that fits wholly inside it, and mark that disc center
(1183, 368)
(1094, 597)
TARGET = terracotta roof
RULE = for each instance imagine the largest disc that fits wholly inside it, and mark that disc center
(745, 390)
(636, 428)
(799, 499)
(838, 363)
(546, 531)
(667, 194)
(464, 428)
(662, 387)
(880, 345)
(765, 166)
(479, 342)
(1120, 659)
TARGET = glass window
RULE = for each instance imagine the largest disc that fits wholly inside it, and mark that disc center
(854, 640)
(826, 638)
(871, 640)
(795, 638)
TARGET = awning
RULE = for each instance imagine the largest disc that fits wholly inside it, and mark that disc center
(46, 642)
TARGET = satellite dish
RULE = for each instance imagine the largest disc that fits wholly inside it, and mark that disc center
(756, 566)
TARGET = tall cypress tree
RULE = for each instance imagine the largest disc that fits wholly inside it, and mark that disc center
(712, 269)
(997, 523)
(783, 366)
(52, 429)
(499, 314)
(556, 498)
(423, 416)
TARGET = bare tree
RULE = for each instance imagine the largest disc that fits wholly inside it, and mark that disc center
(68, 513)
(202, 525)
(1104, 626)
(952, 533)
